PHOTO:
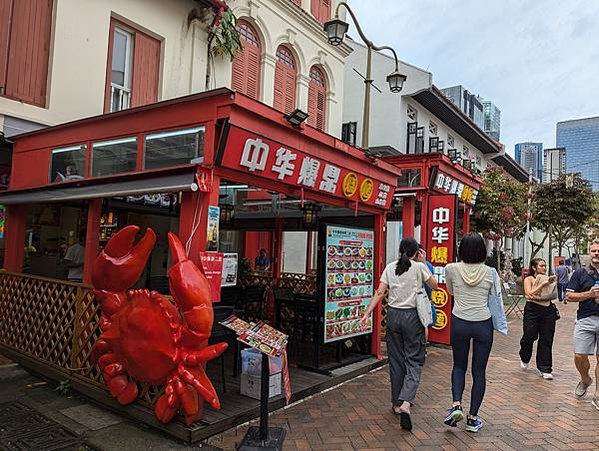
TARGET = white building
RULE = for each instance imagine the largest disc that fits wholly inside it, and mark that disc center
(554, 163)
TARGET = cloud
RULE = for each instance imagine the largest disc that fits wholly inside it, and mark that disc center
(537, 61)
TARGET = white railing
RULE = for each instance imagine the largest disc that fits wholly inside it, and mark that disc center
(120, 98)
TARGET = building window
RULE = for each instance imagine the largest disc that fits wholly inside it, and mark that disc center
(450, 142)
(317, 99)
(321, 10)
(420, 140)
(67, 163)
(409, 178)
(114, 157)
(348, 132)
(25, 35)
(285, 80)
(432, 128)
(133, 68)
(412, 114)
(246, 65)
(173, 148)
(433, 144)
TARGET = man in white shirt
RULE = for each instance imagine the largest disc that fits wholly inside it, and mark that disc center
(74, 259)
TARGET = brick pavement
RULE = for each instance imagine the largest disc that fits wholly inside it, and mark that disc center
(521, 410)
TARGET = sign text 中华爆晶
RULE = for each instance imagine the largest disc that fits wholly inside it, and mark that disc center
(447, 184)
(250, 153)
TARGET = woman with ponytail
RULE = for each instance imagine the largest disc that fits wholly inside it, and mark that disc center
(403, 278)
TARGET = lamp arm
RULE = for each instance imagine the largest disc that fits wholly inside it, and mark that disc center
(367, 41)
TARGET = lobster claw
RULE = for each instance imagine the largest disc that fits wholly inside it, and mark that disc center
(190, 290)
(120, 264)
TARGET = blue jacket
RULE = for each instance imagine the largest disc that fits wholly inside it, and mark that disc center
(495, 304)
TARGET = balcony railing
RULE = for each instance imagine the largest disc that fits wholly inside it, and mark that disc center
(120, 98)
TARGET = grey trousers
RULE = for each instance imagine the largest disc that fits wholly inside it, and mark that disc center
(406, 346)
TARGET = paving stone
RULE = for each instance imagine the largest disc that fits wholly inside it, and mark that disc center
(91, 416)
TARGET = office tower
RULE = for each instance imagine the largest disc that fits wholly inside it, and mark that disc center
(530, 157)
(580, 137)
(467, 102)
(554, 163)
(492, 119)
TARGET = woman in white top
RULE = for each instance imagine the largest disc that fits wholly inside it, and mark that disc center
(405, 334)
(470, 282)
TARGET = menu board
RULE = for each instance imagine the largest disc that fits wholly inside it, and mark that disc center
(349, 282)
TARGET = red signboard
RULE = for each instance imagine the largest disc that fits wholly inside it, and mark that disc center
(441, 227)
(212, 262)
(254, 154)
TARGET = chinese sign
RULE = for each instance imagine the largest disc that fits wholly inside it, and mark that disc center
(212, 228)
(349, 282)
(212, 262)
(265, 158)
(2, 220)
(229, 277)
(447, 184)
(441, 226)
(161, 200)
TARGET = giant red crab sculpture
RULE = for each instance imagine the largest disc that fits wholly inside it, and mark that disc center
(145, 337)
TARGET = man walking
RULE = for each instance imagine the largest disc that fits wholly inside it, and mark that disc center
(584, 289)
(562, 280)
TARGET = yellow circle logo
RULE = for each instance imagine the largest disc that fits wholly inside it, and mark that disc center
(439, 297)
(350, 184)
(441, 321)
(366, 189)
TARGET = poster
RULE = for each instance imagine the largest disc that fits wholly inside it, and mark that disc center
(212, 262)
(229, 277)
(349, 284)
(2, 220)
(212, 232)
(440, 239)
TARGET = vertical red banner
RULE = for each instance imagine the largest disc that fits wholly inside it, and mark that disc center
(441, 217)
(212, 262)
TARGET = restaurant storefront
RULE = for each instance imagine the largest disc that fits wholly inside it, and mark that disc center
(232, 177)
(434, 202)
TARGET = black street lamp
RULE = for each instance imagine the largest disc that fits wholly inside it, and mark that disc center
(336, 30)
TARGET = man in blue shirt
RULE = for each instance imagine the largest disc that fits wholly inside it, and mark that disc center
(562, 280)
(584, 289)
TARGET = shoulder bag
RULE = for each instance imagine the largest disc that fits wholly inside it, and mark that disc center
(423, 303)
(495, 303)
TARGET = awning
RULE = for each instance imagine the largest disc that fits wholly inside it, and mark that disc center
(149, 185)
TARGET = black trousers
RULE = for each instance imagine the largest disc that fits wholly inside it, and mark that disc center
(539, 323)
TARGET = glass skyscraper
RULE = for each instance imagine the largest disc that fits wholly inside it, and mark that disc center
(530, 157)
(580, 137)
(467, 102)
(492, 120)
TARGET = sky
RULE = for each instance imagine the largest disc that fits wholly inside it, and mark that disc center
(537, 60)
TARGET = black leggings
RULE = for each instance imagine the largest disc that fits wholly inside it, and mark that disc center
(462, 332)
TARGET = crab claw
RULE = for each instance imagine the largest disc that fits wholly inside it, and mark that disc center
(190, 289)
(120, 264)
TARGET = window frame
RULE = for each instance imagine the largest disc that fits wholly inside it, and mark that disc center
(128, 73)
(113, 140)
(201, 128)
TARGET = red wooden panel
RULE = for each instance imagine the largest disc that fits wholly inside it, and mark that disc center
(5, 20)
(29, 51)
(285, 81)
(146, 70)
(321, 9)
(245, 76)
(317, 94)
(297, 2)
(109, 66)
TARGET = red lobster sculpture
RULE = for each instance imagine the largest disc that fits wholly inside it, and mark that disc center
(148, 339)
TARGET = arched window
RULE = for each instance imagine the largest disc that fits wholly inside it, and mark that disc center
(317, 98)
(246, 65)
(321, 10)
(285, 80)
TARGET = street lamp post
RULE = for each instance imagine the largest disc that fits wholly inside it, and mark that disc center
(336, 30)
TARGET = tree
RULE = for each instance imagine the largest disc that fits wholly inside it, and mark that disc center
(563, 208)
(500, 210)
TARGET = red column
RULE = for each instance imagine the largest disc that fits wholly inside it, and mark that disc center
(466, 220)
(379, 261)
(16, 223)
(408, 215)
(92, 238)
(309, 247)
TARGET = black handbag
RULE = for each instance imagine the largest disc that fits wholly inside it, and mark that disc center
(555, 311)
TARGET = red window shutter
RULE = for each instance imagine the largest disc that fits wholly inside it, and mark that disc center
(5, 20)
(245, 76)
(321, 9)
(317, 99)
(297, 2)
(146, 70)
(29, 51)
(285, 81)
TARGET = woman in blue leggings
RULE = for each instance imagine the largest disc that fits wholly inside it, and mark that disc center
(470, 282)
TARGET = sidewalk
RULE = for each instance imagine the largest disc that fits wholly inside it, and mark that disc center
(521, 410)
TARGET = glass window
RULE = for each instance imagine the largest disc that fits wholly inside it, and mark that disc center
(67, 163)
(174, 148)
(409, 178)
(114, 157)
(120, 86)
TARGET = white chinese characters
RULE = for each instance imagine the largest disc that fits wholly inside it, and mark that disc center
(284, 163)
(308, 172)
(255, 154)
(330, 177)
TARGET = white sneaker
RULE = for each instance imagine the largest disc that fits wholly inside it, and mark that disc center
(547, 376)
(523, 365)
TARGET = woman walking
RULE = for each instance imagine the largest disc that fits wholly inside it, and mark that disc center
(405, 333)
(470, 282)
(539, 318)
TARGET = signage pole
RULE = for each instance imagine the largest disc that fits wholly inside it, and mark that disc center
(264, 393)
